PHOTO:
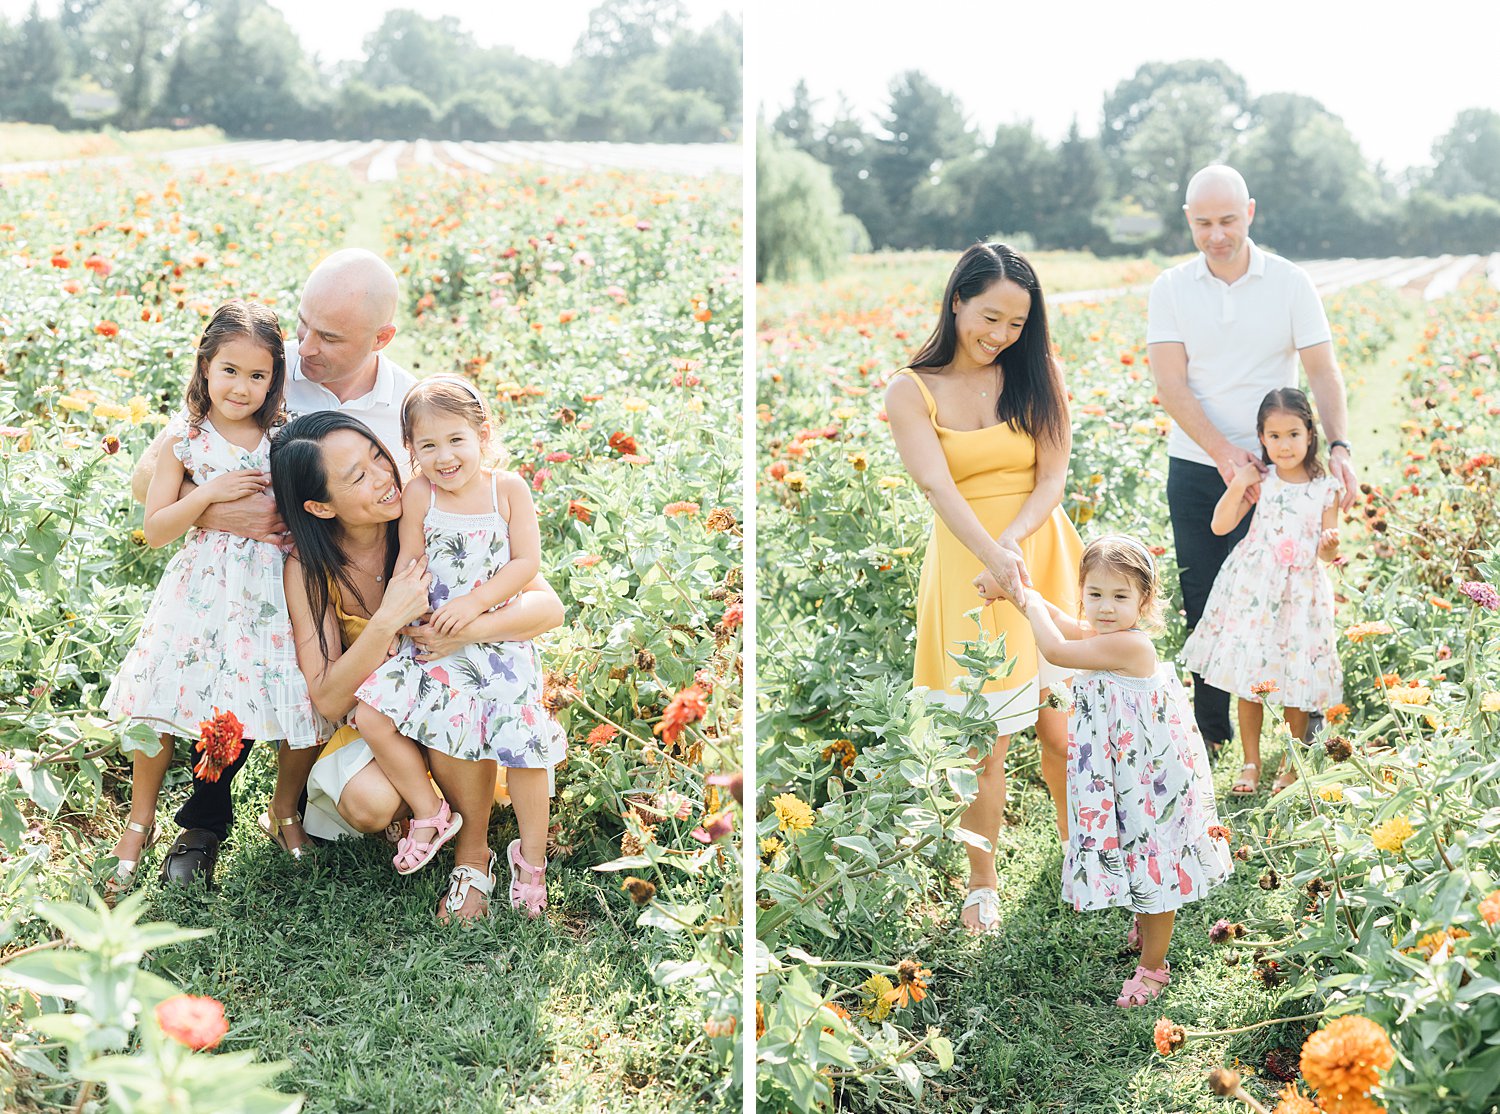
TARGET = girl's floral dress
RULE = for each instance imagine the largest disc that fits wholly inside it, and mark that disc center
(217, 636)
(483, 701)
(1140, 797)
(1269, 616)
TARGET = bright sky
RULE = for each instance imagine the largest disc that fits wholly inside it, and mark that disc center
(335, 29)
(1396, 76)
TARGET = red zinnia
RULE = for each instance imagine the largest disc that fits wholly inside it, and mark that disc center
(99, 265)
(107, 328)
(623, 443)
(688, 706)
(195, 1021)
(602, 734)
(221, 741)
(580, 511)
(734, 615)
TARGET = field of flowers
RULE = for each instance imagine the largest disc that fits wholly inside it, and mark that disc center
(601, 314)
(1370, 890)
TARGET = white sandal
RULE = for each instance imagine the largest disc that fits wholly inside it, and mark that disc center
(124, 877)
(466, 878)
(988, 903)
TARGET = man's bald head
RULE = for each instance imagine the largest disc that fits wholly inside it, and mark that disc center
(1218, 182)
(346, 316)
(357, 278)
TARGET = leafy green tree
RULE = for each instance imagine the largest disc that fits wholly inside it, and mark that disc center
(1080, 187)
(621, 32)
(1432, 224)
(242, 69)
(1314, 193)
(1006, 188)
(131, 42)
(1466, 160)
(849, 150)
(433, 56)
(1188, 127)
(1132, 101)
(799, 226)
(797, 122)
(709, 62)
(399, 112)
(34, 61)
(924, 128)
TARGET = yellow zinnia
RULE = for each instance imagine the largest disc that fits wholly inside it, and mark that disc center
(1490, 702)
(874, 1004)
(792, 813)
(1393, 834)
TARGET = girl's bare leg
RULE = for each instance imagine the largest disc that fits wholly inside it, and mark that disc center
(292, 768)
(1052, 738)
(1156, 935)
(469, 788)
(146, 777)
(983, 817)
(528, 796)
(1252, 715)
(403, 763)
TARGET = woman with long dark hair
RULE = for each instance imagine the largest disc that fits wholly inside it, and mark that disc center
(980, 418)
(339, 492)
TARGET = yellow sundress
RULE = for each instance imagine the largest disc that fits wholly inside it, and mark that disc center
(995, 471)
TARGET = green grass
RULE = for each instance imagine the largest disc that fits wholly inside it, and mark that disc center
(337, 966)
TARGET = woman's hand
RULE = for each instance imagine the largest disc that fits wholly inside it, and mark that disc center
(405, 598)
(231, 486)
(1008, 568)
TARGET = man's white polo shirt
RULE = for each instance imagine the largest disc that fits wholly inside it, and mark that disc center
(1242, 339)
(380, 409)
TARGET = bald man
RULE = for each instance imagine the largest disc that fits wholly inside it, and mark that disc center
(1225, 328)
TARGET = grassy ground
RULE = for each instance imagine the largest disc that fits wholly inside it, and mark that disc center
(31, 142)
(337, 966)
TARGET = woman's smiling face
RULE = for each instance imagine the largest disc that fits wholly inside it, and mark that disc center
(362, 486)
(990, 322)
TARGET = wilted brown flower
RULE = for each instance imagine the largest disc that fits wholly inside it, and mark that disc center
(640, 890)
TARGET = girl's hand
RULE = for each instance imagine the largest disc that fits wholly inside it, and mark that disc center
(1328, 544)
(1247, 474)
(455, 615)
(405, 596)
(989, 587)
(394, 648)
(236, 485)
(430, 645)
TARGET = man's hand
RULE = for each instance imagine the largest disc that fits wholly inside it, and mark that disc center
(1234, 459)
(254, 517)
(1342, 468)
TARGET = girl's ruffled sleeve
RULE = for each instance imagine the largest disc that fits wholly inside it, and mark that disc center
(179, 430)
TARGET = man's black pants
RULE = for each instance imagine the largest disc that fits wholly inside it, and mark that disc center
(210, 805)
(1193, 490)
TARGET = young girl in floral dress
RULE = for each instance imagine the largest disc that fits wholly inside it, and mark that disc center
(216, 638)
(1268, 623)
(478, 528)
(1142, 818)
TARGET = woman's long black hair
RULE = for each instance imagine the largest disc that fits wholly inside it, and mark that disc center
(297, 475)
(1031, 399)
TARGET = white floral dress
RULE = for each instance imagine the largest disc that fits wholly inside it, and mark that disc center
(1140, 797)
(217, 636)
(1269, 616)
(484, 700)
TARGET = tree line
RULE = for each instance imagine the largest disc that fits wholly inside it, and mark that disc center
(639, 72)
(922, 177)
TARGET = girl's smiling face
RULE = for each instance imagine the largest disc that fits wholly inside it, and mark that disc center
(239, 377)
(1111, 602)
(448, 449)
(1285, 439)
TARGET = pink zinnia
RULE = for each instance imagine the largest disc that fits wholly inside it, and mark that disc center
(1481, 593)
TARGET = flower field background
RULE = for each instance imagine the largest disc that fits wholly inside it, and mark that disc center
(601, 314)
(1370, 889)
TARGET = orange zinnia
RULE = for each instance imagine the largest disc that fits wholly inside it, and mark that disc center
(910, 985)
(1344, 1060)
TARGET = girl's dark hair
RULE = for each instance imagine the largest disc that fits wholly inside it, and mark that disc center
(297, 475)
(1031, 398)
(1289, 400)
(239, 318)
(1132, 560)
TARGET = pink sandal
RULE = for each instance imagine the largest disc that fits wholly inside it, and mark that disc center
(1138, 992)
(531, 894)
(413, 854)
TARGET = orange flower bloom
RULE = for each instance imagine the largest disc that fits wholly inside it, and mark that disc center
(580, 511)
(1344, 1060)
(623, 443)
(107, 329)
(602, 734)
(673, 510)
(1337, 714)
(1489, 909)
(1361, 631)
(703, 315)
(1264, 688)
(910, 983)
(1169, 1037)
(220, 743)
(1294, 1101)
(195, 1021)
(688, 706)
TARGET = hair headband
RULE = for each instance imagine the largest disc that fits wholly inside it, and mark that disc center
(464, 383)
(1150, 561)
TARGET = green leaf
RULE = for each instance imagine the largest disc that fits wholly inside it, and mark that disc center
(669, 917)
(61, 974)
(942, 1048)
